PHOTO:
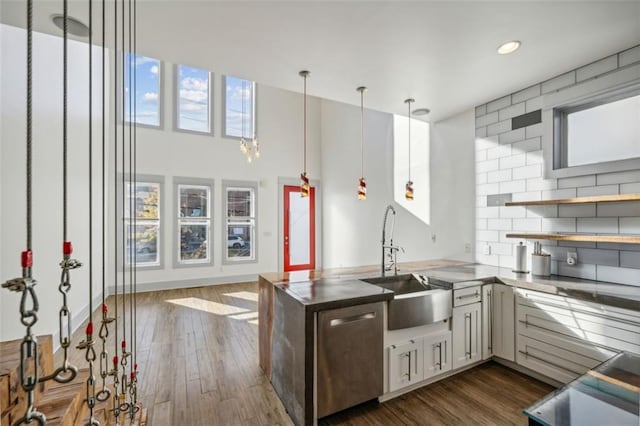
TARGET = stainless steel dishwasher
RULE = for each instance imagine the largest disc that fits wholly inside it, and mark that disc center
(350, 369)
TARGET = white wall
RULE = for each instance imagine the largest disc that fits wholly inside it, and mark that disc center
(47, 175)
(353, 228)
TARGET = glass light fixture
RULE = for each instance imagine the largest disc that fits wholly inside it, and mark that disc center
(250, 148)
(408, 189)
(304, 180)
(362, 184)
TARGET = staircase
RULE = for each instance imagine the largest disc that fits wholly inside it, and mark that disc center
(62, 403)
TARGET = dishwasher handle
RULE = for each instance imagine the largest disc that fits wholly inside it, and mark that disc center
(339, 321)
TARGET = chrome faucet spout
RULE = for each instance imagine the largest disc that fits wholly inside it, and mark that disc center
(389, 245)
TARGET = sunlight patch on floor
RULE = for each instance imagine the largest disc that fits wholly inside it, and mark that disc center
(208, 306)
(246, 295)
(247, 316)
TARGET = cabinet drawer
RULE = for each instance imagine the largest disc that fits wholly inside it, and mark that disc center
(549, 360)
(466, 296)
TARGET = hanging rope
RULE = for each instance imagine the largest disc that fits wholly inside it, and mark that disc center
(66, 372)
(29, 305)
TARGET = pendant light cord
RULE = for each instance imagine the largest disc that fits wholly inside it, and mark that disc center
(362, 133)
(305, 125)
(409, 117)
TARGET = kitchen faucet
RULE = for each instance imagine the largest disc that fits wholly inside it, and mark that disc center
(392, 253)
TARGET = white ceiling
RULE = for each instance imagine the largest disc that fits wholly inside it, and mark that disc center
(443, 53)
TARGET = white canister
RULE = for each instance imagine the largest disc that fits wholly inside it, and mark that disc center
(520, 256)
(541, 264)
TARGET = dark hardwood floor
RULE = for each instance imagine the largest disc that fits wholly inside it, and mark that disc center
(198, 362)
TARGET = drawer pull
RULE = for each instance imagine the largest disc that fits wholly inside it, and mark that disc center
(340, 321)
(466, 296)
(528, 355)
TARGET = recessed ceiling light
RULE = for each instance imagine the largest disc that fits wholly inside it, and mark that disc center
(74, 26)
(508, 47)
(421, 111)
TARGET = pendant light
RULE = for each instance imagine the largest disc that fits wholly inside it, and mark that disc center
(249, 148)
(362, 184)
(408, 190)
(304, 184)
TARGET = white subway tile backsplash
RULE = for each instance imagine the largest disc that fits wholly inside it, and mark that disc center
(481, 132)
(580, 270)
(491, 260)
(573, 182)
(541, 184)
(559, 225)
(486, 212)
(534, 131)
(542, 211)
(630, 188)
(576, 244)
(502, 249)
(481, 201)
(532, 171)
(528, 93)
(559, 82)
(629, 56)
(512, 212)
(527, 196)
(481, 224)
(596, 68)
(535, 157)
(627, 276)
(485, 235)
(481, 178)
(577, 210)
(499, 176)
(511, 111)
(487, 188)
(499, 151)
(558, 253)
(499, 103)
(513, 161)
(499, 224)
(486, 143)
(559, 194)
(533, 104)
(507, 262)
(487, 166)
(630, 225)
(601, 225)
(619, 246)
(619, 177)
(527, 225)
(527, 145)
(485, 120)
(619, 209)
(481, 155)
(513, 136)
(630, 259)
(513, 186)
(598, 256)
(497, 128)
(587, 191)
(481, 110)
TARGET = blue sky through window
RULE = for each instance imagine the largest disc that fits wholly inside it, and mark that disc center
(235, 93)
(193, 92)
(147, 90)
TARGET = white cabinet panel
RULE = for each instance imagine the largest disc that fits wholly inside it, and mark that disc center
(405, 364)
(503, 317)
(466, 329)
(437, 354)
(487, 321)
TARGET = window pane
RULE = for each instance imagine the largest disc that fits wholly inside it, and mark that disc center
(606, 132)
(194, 201)
(146, 200)
(299, 225)
(146, 107)
(146, 237)
(239, 241)
(239, 202)
(193, 93)
(193, 242)
(239, 97)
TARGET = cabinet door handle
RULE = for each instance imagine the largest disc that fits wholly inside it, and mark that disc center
(490, 321)
(468, 315)
(345, 320)
(553, 364)
(409, 369)
(440, 350)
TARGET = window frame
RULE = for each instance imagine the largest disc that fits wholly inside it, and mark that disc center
(226, 185)
(187, 181)
(150, 179)
(122, 116)
(224, 108)
(176, 102)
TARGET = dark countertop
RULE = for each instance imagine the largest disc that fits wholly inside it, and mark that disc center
(618, 295)
(334, 293)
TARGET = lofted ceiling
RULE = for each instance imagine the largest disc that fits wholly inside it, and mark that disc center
(442, 53)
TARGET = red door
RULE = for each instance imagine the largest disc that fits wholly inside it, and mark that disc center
(299, 229)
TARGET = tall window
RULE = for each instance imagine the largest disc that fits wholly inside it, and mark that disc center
(144, 105)
(144, 225)
(240, 221)
(240, 108)
(193, 97)
(194, 223)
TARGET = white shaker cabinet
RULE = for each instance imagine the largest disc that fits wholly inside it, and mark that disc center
(437, 354)
(466, 329)
(405, 364)
(498, 321)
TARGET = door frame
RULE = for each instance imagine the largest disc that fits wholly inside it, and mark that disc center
(282, 182)
(288, 189)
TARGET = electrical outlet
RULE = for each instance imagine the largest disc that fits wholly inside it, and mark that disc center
(467, 248)
(486, 249)
(572, 258)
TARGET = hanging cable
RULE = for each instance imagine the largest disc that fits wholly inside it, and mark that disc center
(304, 185)
(362, 183)
(408, 189)
(66, 372)
(29, 305)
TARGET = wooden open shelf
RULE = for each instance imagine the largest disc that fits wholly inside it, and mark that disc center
(579, 200)
(613, 238)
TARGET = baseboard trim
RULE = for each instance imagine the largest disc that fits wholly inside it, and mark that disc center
(524, 370)
(195, 282)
